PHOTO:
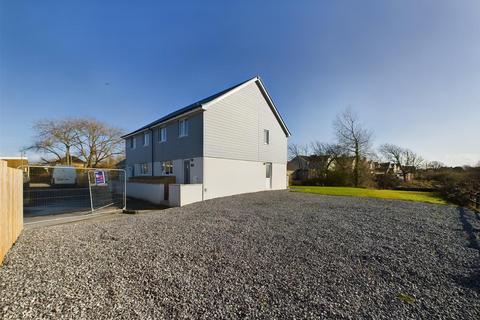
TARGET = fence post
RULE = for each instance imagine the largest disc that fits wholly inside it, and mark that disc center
(90, 189)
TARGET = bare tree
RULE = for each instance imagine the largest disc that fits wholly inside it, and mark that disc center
(97, 142)
(434, 165)
(413, 159)
(296, 152)
(325, 155)
(88, 139)
(55, 137)
(406, 160)
(354, 138)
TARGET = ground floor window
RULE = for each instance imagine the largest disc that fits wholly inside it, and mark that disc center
(144, 168)
(167, 167)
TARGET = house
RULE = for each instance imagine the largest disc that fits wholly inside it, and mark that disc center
(382, 168)
(302, 167)
(73, 161)
(232, 142)
(15, 162)
(405, 173)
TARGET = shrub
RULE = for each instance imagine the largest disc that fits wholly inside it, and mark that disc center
(387, 181)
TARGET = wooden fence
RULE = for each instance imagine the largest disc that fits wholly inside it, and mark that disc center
(11, 207)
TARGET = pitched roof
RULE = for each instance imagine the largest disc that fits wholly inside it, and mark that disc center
(206, 100)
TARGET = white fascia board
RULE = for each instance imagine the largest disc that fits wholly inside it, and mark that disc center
(134, 134)
(208, 104)
(180, 116)
(274, 108)
(163, 122)
(264, 90)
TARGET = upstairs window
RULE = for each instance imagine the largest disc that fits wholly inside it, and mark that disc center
(167, 167)
(266, 136)
(183, 128)
(131, 143)
(146, 139)
(162, 134)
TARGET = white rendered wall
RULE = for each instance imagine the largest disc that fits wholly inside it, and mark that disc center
(183, 194)
(279, 176)
(225, 177)
(146, 191)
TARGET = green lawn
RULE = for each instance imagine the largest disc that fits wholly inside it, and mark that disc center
(429, 197)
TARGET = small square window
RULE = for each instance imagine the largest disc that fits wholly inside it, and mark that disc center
(162, 134)
(266, 136)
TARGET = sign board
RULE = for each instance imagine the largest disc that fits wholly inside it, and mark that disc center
(100, 178)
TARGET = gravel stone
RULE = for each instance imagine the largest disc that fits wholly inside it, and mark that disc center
(275, 254)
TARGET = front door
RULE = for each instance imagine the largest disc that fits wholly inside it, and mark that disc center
(186, 171)
(268, 175)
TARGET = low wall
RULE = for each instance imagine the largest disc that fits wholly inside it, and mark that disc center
(151, 192)
(182, 194)
(11, 207)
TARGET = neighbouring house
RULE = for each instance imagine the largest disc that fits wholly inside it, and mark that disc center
(381, 168)
(303, 167)
(15, 162)
(232, 142)
(306, 167)
(72, 162)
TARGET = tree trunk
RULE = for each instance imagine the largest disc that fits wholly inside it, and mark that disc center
(356, 168)
(67, 155)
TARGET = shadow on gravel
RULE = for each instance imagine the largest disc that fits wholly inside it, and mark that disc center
(137, 204)
(471, 281)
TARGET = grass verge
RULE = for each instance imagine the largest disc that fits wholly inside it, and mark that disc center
(419, 196)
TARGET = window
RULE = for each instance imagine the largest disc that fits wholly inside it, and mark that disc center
(146, 138)
(167, 167)
(266, 136)
(132, 143)
(144, 168)
(268, 170)
(183, 128)
(162, 134)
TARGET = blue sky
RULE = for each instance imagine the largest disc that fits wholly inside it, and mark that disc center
(410, 69)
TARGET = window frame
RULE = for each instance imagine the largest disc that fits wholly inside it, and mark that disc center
(161, 137)
(167, 168)
(146, 138)
(144, 168)
(183, 128)
(266, 136)
(132, 143)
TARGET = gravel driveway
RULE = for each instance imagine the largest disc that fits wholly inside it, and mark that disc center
(264, 255)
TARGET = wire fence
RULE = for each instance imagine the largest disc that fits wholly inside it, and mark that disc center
(475, 201)
(49, 190)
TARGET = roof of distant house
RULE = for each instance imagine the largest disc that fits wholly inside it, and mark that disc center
(73, 158)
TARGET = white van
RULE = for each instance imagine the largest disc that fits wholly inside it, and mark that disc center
(64, 175)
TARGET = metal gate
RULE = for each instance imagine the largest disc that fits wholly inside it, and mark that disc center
(49, 190)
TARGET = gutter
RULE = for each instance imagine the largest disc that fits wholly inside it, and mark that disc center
(162, 123)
